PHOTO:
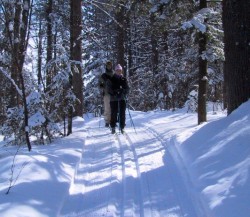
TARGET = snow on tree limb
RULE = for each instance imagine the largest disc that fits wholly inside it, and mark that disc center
(198, 21)
(11, 80)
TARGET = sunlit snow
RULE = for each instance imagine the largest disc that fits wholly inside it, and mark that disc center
(168, 166)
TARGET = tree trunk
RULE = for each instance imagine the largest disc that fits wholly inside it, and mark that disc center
(70, 112)
(154, 46)
(120, 36)
(49, 41)
(24, 36)
(202, 92)
(21, 35)
(129, 43)
(236, 24)
(76, 54)
(76, 80)
(15, 40)
(154, 56)
(39, 53)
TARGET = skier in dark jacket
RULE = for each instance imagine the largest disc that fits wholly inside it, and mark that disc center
(118, 90)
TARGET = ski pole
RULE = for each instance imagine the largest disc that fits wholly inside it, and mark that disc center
(131, 120)
(100, 115)
(119, 115)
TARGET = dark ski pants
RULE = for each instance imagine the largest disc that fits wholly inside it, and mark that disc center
(118, 113)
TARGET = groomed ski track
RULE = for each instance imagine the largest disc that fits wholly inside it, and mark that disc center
(118, 176)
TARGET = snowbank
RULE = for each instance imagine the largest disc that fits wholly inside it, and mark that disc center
(212, 160)
(218, 158)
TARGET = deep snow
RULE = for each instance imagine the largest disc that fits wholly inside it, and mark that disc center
(167, 167)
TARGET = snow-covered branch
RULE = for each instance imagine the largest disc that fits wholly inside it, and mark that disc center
(11, 80)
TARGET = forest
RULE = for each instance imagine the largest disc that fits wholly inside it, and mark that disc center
(175, 53)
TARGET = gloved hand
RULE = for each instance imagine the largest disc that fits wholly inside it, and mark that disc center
(119, 92)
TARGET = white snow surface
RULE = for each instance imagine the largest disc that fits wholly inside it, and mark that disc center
(167, 166)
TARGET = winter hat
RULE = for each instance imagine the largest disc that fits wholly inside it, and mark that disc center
(118, 67)
(108, 63)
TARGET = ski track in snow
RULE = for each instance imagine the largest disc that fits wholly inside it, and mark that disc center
(130, 169)
(115, 177)
(177, 173)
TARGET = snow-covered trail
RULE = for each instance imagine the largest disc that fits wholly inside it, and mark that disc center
(123, 176)
(169, 167)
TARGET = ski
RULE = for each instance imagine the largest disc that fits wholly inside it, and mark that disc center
(125, 135)
(115, 135)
